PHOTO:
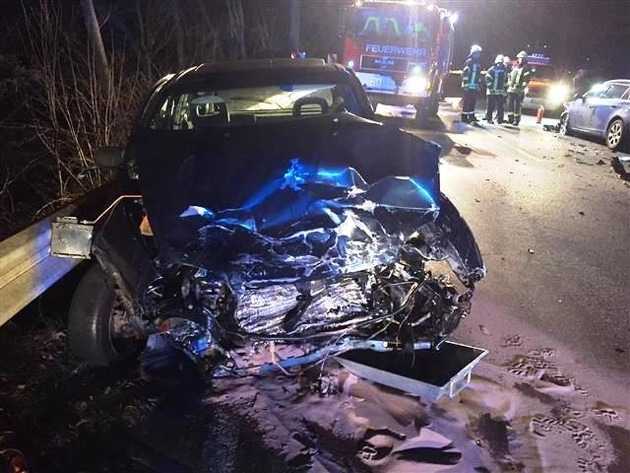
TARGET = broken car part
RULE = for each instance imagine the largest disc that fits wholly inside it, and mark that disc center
(283, 234)
(315, 256)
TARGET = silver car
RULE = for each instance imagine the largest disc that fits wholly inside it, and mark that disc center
(604, 111)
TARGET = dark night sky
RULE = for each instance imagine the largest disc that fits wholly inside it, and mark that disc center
(574, 30)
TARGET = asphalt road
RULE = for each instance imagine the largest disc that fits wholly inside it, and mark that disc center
(552, 220)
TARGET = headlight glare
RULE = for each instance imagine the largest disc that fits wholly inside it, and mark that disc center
(558, 94)
(415, 85)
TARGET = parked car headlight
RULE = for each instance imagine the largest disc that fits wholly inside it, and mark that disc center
(558, 94)
(415, 85)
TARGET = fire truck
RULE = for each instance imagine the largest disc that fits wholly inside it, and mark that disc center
(547, 91)
(399, 50)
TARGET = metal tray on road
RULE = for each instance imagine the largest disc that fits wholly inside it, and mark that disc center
(430, 374)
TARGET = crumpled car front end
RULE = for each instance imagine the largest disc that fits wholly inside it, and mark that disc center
(319, 257)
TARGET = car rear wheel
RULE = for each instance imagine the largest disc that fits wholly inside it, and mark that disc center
(99, 328)
(615, 134)
(565, 128)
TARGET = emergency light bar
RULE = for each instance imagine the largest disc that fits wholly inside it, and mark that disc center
(412, 3)
(538, 59)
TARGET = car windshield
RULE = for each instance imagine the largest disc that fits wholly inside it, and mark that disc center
(545, 72)
(399, 24)
(193, 109)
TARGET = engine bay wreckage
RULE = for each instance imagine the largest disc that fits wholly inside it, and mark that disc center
(281, 245)
(334, 238)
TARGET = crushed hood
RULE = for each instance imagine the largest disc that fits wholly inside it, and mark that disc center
(282, 201)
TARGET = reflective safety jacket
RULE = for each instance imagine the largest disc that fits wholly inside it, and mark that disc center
(519, 78)
(471, 75)
(496, 80)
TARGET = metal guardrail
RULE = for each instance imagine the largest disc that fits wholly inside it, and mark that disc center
(27, 269)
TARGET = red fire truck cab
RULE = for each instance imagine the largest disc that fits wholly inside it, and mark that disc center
(399, 50)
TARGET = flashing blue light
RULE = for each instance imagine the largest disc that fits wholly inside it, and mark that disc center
(296, 175)
(329, 174)
(425, 193)
(285, 199)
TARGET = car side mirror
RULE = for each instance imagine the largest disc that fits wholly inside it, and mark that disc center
(109, 157)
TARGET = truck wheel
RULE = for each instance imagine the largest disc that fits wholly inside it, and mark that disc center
(615, 134)
(98, 329)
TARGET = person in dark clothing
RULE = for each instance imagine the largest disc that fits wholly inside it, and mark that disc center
(496, 89)
(517, 83)
(580, 82)
(471, 83)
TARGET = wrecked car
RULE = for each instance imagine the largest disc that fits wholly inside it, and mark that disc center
(267, 221)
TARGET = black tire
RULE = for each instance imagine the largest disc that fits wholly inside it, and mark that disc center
(91, 321)
(616, 134)
(565, 126)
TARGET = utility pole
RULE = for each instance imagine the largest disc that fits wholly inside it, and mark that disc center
(96, 40)
(295, 18)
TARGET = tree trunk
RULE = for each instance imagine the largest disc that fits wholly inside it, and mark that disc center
(179, 35)
(96, 40)
(237, 26)
(294, 24)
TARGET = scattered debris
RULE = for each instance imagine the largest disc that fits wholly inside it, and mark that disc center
(552, 128)
(601, 162)
(484, 330)
(462, 149)
(621, 164)
(619, 350)
(581, 213)
(512, 341)
(531, 251)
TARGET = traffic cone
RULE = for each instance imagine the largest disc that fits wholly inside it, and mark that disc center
(540, 114)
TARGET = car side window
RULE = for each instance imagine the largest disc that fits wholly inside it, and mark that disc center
(626, 95)
(615, 91)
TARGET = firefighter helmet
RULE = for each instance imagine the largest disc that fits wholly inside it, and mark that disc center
(475, 48)
(507, 60)
(499, 59)
(522, 55)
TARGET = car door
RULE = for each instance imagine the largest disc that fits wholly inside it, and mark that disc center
(580, 109)
(602, 109)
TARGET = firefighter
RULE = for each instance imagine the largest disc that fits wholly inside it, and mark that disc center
(471, 80)
(496, 88)
(507, 62)
(517, 82)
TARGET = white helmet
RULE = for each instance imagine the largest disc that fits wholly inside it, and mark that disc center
(475, 48)
(499, 59)
(521, 55)
(507, 60)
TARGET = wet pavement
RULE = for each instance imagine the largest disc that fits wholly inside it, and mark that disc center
(552, 219)
(550, 216)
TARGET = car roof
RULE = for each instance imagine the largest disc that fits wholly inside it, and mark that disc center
(252, 66)
(619, 81)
